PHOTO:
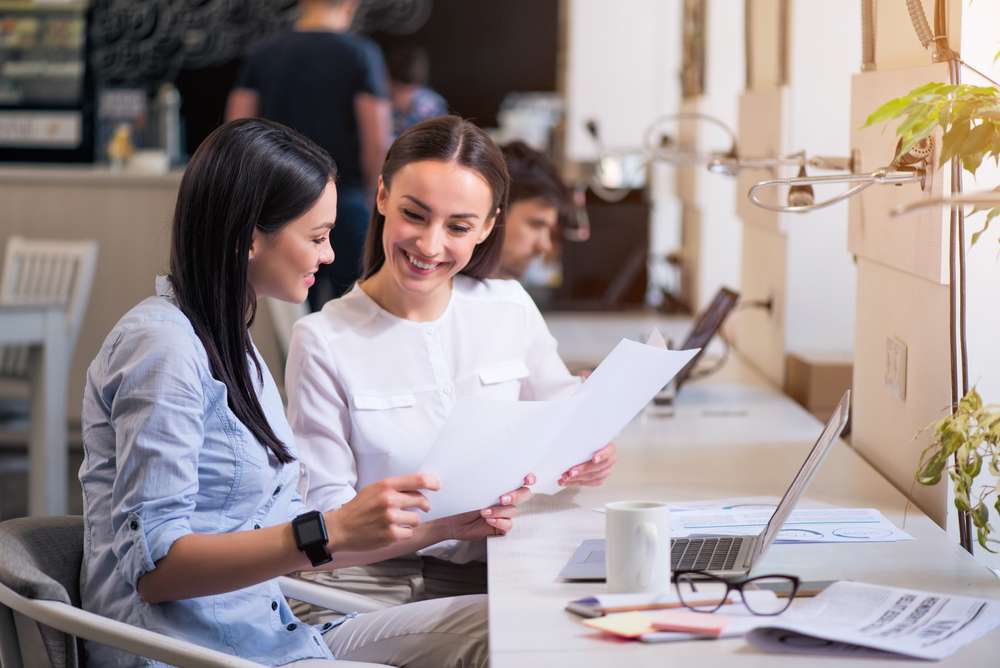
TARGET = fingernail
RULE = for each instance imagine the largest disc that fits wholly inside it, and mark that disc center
(487, 511)
(572, 474)
(597, 458)
(491, 521)
(505, 498)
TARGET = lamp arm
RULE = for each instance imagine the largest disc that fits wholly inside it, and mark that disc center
(863, 181)
(651, 142)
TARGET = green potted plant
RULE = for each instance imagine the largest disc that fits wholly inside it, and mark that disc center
(969, 119)
(961, 442)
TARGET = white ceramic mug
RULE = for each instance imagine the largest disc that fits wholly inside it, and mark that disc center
(637, 553)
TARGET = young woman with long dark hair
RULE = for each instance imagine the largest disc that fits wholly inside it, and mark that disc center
(373, 376)
(190, 474)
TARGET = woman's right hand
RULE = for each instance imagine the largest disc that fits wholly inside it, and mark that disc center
(381, 514)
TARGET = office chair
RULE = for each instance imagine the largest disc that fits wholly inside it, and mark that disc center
(41, 623)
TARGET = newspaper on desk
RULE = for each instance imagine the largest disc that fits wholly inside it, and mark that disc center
(846, 619)
(856, 619)
(487, 447)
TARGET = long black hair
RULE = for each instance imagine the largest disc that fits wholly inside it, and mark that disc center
(447, 139)
(247, 175)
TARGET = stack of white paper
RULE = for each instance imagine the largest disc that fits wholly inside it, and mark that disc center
(487, 447)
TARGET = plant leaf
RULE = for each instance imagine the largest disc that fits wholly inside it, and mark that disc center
(888, 111)
(983, 536)
(972, 161)
(930, 472)
(981, 515)
(953, 140)
(962, 502)
(971, 402)
(994, 212)
(979, 139)
(932, 87)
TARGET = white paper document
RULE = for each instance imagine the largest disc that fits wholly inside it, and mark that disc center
(804, 525)
(855, 619)
(487, 447)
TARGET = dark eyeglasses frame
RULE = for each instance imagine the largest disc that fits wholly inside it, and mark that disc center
(733, 584)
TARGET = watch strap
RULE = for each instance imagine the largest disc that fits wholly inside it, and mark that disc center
(317, 554)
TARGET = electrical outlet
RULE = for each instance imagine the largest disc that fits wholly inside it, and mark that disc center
(895, 367)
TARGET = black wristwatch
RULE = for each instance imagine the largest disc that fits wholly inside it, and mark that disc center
(310, 534)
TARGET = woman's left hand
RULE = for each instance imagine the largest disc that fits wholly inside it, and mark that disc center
(493, 521)
(592, 472)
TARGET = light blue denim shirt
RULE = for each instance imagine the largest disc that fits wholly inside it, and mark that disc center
(164, 457)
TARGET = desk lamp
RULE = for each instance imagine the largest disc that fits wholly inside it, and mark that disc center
(915, 166)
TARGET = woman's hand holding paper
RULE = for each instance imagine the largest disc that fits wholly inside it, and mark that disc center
(496, 520)
(592, 472)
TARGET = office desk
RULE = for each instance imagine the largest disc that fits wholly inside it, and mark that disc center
(43, 328)
(729, 435)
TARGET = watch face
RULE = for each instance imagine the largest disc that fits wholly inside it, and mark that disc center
(310, 531)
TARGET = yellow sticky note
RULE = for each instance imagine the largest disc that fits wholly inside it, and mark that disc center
(623, 624)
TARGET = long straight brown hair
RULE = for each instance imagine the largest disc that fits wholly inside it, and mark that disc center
(247, 175)
(447, 139)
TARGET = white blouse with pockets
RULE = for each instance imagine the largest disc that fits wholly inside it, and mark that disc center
(368, 392)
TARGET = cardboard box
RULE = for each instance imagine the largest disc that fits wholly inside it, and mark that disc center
(817, 379)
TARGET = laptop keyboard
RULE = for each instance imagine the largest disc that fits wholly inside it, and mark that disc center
(717, 553)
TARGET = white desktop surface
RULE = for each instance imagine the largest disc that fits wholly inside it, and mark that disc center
(730, 435)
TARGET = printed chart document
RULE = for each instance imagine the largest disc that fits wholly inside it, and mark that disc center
(856, 619)
(487, 447)
(815, 523)
(804, 525)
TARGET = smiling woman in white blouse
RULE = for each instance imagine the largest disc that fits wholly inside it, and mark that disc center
(373, 376)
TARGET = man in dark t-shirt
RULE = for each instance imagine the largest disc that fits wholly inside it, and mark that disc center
(331, 86)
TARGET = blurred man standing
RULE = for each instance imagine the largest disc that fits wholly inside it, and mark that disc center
(538, 199)
(331, 85)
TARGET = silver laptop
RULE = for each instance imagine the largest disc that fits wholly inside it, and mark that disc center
(721, 554)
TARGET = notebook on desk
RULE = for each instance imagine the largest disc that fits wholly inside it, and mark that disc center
(721, 554)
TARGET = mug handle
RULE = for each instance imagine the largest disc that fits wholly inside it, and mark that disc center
(650, 537)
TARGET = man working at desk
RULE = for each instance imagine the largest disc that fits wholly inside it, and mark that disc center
(538, 198)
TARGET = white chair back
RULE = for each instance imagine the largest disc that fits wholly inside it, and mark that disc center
(37, 271)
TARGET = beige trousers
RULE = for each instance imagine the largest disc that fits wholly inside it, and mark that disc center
(438, 616)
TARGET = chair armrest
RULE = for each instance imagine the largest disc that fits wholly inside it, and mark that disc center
(328, 597)
(90, 626)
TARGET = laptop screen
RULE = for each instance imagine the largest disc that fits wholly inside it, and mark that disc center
(704, 329)
(834, 426)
